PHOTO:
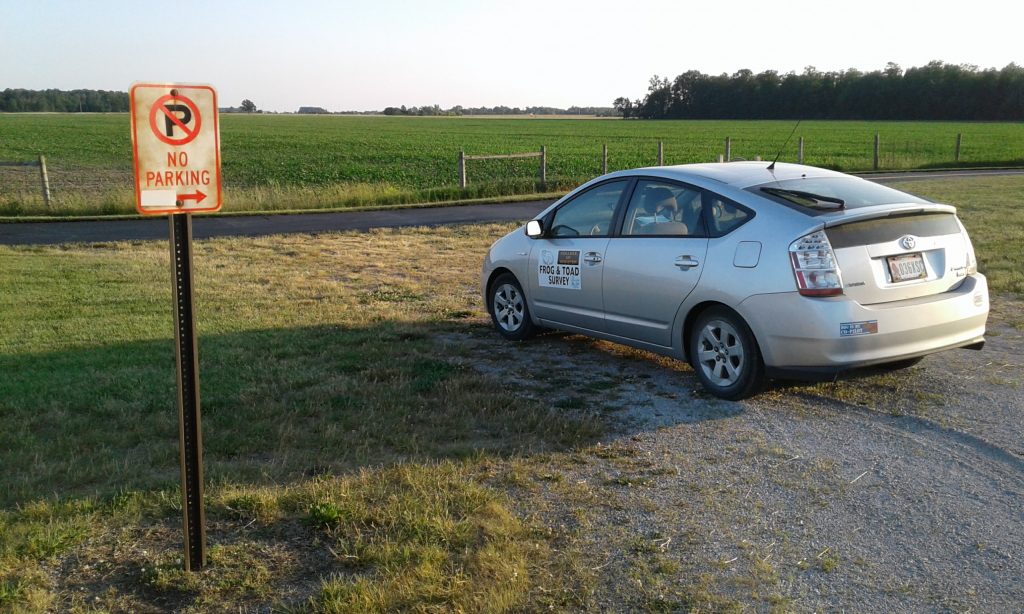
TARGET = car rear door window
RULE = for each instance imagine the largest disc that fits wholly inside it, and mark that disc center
(660, 208)
(591, 213)
(724, 216)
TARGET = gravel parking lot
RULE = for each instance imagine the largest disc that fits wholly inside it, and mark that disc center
(884, 492)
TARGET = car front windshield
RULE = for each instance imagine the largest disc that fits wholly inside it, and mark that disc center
(852, 191)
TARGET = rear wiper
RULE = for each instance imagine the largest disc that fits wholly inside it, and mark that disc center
(807, 199)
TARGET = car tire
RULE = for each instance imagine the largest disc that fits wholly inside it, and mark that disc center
(725, 355)
(510, 314)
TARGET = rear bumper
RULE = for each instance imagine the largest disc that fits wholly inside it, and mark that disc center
(799, 334)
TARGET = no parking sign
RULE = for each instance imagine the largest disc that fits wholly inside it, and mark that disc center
(176, 148)
(176, 157)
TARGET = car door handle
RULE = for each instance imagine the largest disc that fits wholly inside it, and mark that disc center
(592, 258)
(686, 262)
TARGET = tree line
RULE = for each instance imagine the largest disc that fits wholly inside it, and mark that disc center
(936, 91)
(459, 110)
(63, 101)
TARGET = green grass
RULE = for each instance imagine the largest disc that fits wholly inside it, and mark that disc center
(353, 462)
(332, 420)
(291, 162)
(992, 210)
(315, 355)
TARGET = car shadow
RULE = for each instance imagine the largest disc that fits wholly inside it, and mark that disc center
(633, 390)
(277, 405)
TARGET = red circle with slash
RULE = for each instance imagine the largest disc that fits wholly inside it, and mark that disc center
(159, 107)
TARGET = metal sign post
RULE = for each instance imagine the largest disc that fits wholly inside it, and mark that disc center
(176, 160)
(189, 423)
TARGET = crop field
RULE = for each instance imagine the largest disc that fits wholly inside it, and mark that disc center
(308, 162)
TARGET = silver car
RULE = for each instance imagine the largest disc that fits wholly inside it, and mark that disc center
(745, 269)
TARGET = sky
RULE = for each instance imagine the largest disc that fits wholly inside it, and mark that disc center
(369, 55)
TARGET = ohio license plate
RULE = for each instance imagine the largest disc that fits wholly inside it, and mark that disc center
(906, 267)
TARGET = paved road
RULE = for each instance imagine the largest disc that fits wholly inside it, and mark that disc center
(50, 233)
(203, 227)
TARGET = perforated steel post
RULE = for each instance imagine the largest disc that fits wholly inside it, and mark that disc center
(189, 424)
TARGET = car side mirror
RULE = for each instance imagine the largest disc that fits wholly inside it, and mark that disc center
(534, 229)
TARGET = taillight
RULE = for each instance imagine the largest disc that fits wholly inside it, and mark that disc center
(972, 262)
(814, 266)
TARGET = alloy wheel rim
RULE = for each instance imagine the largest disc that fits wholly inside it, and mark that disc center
(508, 308)
(720, 353)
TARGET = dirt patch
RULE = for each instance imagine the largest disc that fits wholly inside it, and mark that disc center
(888, 491)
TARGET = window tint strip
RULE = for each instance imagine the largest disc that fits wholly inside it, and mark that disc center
(883, 230)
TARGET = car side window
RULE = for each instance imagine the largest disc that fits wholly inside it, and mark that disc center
(665, 209)
(590, 214)
(724, 216)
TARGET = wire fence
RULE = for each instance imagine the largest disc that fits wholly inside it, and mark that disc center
(462, 174)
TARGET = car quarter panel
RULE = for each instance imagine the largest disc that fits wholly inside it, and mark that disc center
(798, 331)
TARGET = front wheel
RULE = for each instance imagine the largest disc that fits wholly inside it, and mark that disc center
(508, 308)
(725, 355)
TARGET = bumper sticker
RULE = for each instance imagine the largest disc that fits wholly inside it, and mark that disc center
(850, 329)
(565, 273)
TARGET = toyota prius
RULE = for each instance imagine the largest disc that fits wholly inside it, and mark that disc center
(746, 270)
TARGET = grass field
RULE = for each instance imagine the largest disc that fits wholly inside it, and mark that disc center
(352, 464)
(302, 162)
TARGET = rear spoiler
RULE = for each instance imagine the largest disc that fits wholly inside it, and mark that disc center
(848, 216)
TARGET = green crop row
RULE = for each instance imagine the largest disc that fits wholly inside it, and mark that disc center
(90, 155)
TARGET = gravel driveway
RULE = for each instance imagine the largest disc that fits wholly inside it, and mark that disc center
(888, 492)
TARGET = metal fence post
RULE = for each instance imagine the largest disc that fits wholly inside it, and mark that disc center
(462, 170)
(604, 159)
(800, 151)
(189, 419)
(728, 149)
(661, 153)
(45, 177)
(874, 165)
(959, 141)
(543, 166)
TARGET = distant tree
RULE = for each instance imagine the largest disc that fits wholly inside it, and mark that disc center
(92, 101)
(623, 106)
(248, 106)
(935, 91)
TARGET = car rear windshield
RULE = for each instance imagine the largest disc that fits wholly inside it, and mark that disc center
(852, 191)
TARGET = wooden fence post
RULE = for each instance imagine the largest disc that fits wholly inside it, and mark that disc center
(543, 166)
(45, 179)
(959, 141)
(462, 170)
(721, 158)
(728, 149)
(874, 165)
(661, 153)
(604, 159)
(800, 151)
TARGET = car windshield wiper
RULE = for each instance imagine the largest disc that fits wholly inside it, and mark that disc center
(807, 199)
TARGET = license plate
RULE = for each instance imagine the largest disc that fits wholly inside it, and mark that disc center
(906, 267)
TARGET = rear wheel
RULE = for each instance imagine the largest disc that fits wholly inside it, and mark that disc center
(725, 355)
(508, 308)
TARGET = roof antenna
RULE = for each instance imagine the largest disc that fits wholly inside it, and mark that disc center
(771, 166)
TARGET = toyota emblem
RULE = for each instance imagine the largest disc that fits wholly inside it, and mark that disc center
(908, 242)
